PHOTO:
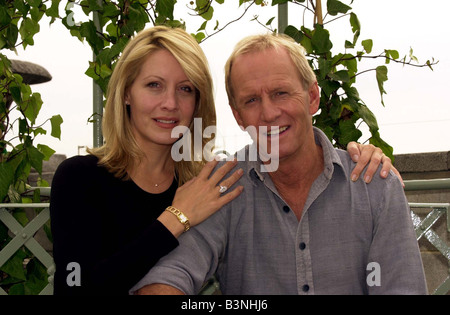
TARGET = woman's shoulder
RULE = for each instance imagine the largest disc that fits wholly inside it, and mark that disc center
(80, 161)
(78, 165)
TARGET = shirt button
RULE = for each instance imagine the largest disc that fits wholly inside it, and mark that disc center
(305, 288)
(302, 246)
(286, 209)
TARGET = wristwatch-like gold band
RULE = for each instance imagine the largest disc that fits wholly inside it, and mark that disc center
(181, 217)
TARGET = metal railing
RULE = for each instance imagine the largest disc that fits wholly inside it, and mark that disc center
(423, 227)
(24, 236)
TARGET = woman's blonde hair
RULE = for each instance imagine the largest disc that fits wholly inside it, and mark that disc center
(120, 150)
(258, 43)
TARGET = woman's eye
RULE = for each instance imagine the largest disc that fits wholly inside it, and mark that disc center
(153, 84)
(186, 89)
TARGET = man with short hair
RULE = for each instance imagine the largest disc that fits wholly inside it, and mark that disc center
(305, 227)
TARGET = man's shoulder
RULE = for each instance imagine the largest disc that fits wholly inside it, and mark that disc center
(377, 182)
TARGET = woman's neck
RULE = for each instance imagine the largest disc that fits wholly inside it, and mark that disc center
(154, 172)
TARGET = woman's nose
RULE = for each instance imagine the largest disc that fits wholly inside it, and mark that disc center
(170, 101)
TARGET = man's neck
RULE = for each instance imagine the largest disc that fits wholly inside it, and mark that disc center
(299, 170)
(295, 176)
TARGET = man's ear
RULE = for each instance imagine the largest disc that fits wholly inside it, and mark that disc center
(314, 98)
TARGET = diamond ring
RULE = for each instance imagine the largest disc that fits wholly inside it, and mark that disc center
(222, 189)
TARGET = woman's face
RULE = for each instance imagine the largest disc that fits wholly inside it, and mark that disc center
(160, 98)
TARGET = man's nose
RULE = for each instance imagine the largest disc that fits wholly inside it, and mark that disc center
(269, 111)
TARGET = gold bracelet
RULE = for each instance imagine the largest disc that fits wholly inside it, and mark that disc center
(180, 216)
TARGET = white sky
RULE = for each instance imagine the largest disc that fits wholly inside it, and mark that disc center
(417, 113)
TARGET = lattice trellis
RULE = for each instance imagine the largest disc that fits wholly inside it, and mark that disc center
(423, 229)
(24, 236)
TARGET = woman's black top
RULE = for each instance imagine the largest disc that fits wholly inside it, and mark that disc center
(107, 227)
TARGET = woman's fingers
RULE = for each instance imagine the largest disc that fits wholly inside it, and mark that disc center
(230, 181)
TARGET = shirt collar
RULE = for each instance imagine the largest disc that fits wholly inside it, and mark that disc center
(330, 155)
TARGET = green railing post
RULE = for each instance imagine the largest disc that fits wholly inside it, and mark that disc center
(282, 17)
(97, 96)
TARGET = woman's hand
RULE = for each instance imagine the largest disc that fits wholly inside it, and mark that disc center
(363, 154)
(201, 196)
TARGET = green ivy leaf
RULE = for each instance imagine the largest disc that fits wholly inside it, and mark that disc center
(199, 36)
(37, 277)
(35, 3)
(16, 93)
(367, 45)
(14, 266)
(28, 28)
(95, 5)
(328, 87)
(89, 31)
(46, 151)
(321, 40)
(5, 18)
(348, 132)
(382, 76)
(341, 75)
(294, 33)
(12, 33)
(7, 176)
(368, 117)
(33, 107)
(36, 158)
(335, 7)
(202, 27)
(378, 142)
(165, 8)
(22, 7)
(325, 67)
(53, 11)
(208, 14)
(391, 54)
(56, 122)
(356, 27)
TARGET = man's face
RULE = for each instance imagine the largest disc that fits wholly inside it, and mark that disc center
(268, 93)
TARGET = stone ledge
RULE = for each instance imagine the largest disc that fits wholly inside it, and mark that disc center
(423, 162)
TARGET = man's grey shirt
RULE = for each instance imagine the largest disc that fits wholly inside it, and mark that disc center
(353, 238)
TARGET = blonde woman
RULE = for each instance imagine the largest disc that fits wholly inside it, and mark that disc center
(108, 208)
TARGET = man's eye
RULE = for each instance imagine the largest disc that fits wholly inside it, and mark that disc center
(252, 100)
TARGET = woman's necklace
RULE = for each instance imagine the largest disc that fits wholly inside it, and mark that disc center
(156, 185)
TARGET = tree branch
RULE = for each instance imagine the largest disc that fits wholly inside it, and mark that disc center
(233, 21)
